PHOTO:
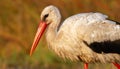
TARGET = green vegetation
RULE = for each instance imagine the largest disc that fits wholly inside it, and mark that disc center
(18, 24)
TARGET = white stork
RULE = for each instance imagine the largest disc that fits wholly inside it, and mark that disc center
(88, 37)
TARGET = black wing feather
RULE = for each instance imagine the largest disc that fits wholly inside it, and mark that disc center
(106, 47)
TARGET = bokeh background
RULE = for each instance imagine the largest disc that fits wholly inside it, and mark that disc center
(18, 24)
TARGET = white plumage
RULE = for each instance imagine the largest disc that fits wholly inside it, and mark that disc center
(89, 27)
(88, 37)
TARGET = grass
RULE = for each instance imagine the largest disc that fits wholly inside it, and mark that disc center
(18, 24)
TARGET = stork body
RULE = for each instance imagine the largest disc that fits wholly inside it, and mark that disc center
(87, 37)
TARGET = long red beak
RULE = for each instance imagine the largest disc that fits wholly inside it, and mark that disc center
(40, 31)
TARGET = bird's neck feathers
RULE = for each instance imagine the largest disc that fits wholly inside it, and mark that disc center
(53, 29)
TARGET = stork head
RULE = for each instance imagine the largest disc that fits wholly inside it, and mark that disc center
(49, 15)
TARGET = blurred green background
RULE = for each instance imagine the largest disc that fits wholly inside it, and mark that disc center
(18, 25)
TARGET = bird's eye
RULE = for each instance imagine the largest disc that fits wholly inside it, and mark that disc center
(45, 16)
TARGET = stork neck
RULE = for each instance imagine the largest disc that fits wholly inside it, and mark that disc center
(52, 32)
